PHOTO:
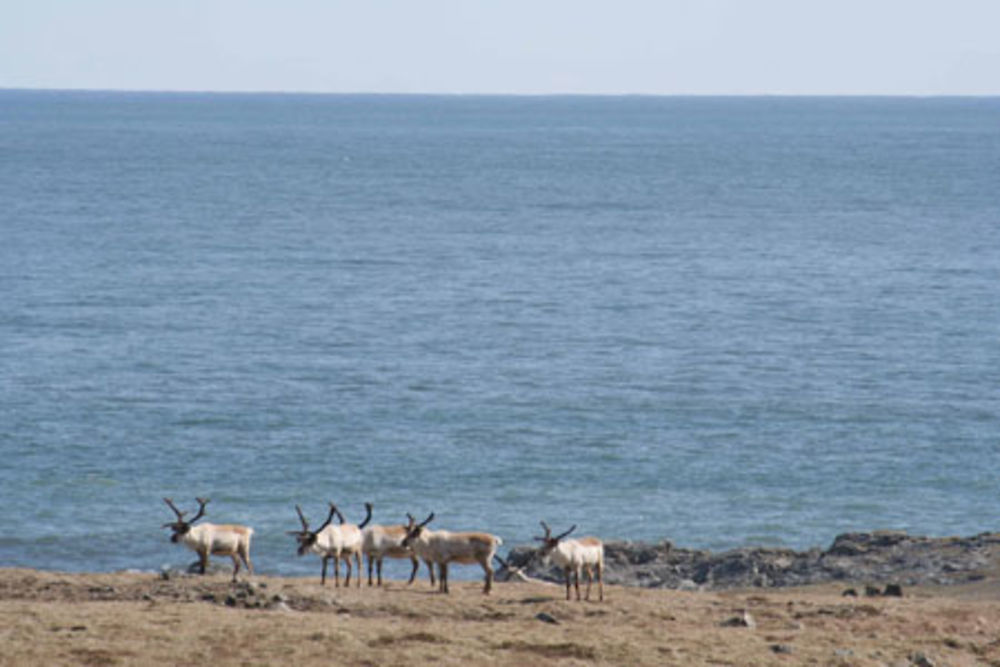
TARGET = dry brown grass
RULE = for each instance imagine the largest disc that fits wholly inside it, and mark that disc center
(118, 619)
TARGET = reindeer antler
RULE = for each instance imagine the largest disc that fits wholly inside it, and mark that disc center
(368, 517)
(201, 509)
(302, 518)
(170, 503)
(559, 537)
(548, 532)
(329, 518)
(334, 510)
(180, 515)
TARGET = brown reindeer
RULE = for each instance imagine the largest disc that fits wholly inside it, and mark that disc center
(444, 547)
(381, 542)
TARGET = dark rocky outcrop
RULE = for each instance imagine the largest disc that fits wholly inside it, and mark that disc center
(882, 556)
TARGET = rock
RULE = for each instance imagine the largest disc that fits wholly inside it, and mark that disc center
(852, 544)
(102, 592)
(918, 659)
(245, 588)
(781, 649)
(881, 557)
(893, 590)
(546, 618)
(744, 620)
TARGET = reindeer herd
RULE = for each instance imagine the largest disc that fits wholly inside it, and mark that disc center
(343, 541)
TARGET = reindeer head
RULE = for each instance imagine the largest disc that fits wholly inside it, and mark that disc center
(549, 543)
(414, 529)
(181, 527)
(307, 538)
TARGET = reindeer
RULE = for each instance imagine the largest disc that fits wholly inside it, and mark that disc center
(444, 547)
(209, 538)
(574, 555)
(329, 541)
(380, 542)
(430, 565)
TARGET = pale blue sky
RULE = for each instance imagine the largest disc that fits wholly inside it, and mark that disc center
(882, 47)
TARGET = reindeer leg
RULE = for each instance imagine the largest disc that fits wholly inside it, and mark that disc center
(347, 563)
(202, 561)
(600, 580)
(590, 580)
(413, 572)
(322, 579)
(357, 561)
(245, 555)
(430, 570)
(576, 582)
(371, 565)
(336, 570)
(489, 577)
(236, 566)
(569, 578)
(444, 577)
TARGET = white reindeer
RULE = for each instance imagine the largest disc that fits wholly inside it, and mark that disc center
(209, 538)
(380, 542)
(444, 547)
(574, 555)
(330, 541)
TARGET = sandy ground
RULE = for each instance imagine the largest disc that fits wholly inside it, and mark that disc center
(50, 618)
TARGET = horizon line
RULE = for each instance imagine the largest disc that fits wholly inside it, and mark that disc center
(200, 91)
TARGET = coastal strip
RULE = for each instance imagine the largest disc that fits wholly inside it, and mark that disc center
(880, 557)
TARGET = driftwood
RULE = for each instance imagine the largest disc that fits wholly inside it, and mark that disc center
(511, 573)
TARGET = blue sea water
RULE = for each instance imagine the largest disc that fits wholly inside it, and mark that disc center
(718, 321)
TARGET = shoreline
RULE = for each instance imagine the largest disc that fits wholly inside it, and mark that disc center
(878, 557)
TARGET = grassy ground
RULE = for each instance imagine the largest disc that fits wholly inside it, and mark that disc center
(51, 618)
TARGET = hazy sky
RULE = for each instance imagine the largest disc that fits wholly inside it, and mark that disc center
(888, 47)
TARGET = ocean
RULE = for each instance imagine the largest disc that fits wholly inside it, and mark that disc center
(715, 321)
